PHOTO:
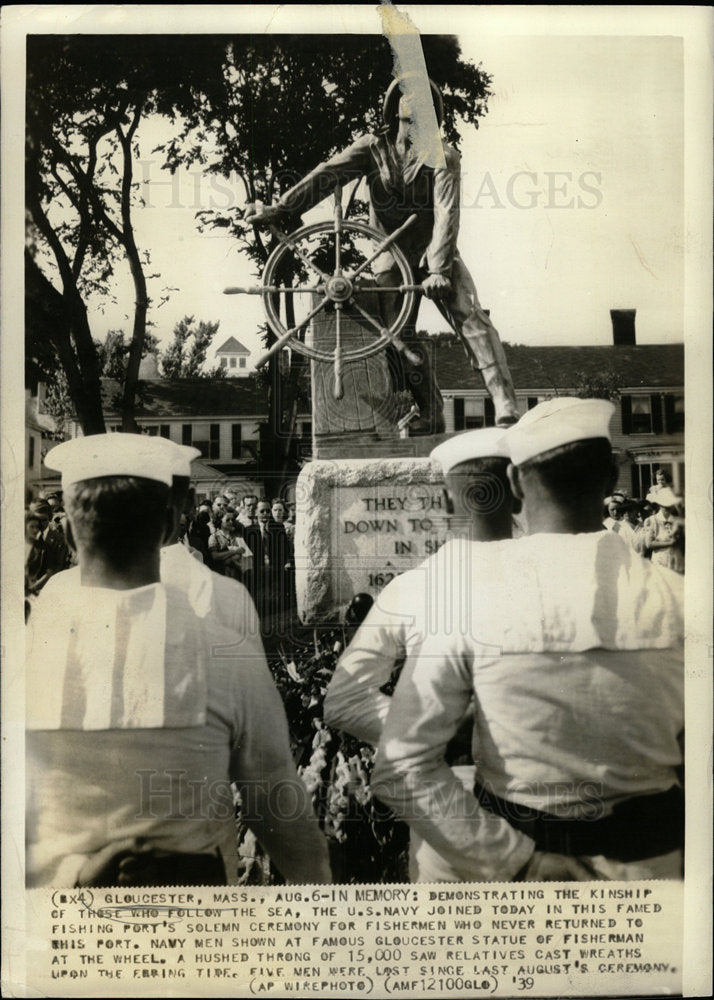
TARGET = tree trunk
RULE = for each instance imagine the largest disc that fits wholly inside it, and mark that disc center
(62, 319)
(67, 325)
(89, 391)
(141, 303)
(138, 339)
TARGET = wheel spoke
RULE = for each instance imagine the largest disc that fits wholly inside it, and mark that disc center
(338, 230)
(393, 338)
(282, 341)
(379, 289)
(366, 315)
(338, 391)
(272, 290)
(291, 245)
(383, 246)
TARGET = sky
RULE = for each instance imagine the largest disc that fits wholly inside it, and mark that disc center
(572, 190)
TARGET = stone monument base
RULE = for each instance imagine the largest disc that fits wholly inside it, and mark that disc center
(364, 520)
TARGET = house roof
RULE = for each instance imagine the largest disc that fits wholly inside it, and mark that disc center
(232, 346)
(201, 471)
(192, 397)
(550, 368)
(536, 369)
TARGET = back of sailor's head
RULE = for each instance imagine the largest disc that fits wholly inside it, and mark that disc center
(474, 464)
(180, 457)
(565, 444)
(117, 492)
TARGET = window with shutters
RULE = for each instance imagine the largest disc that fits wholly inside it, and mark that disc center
(472, 414)
(187, 434)
(224, 362)
(674, 413)
(642, 479)
(214, 441)
(642, 414)
(236, 440)
(165, 430)
(242, 362)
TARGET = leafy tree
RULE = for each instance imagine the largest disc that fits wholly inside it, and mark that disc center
(186, 354)
(86, 99)
(112, 355)
(606, 384)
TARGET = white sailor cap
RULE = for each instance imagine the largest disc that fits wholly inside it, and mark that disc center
(556, 422)
(179, 455)
(484, 443)
(114, 454)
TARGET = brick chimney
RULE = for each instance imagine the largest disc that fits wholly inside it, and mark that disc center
(623, 327)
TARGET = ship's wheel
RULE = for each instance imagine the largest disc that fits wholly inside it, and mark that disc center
(329, 267)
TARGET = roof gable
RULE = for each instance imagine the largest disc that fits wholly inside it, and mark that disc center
(232, 346)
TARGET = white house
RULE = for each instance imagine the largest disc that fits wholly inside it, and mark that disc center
(648, 428)
(233, 357)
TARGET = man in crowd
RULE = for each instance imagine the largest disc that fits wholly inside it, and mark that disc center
(218, 509)
(56, 553)
(140, 712)
(55, 501)
(401, 184)
(36, 576)
(570, 635)
(480, 503)
(246, 513)
(260, 542)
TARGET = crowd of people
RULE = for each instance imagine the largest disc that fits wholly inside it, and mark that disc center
(46, 549)
(506, 682)
(245, 538)
(249, 539)
(654, 527)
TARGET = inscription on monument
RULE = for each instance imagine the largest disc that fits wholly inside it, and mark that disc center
(361, 524)
(388, 531)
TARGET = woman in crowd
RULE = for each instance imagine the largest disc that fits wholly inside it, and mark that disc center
(663, 481)
(227, 548)
(664, 531)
